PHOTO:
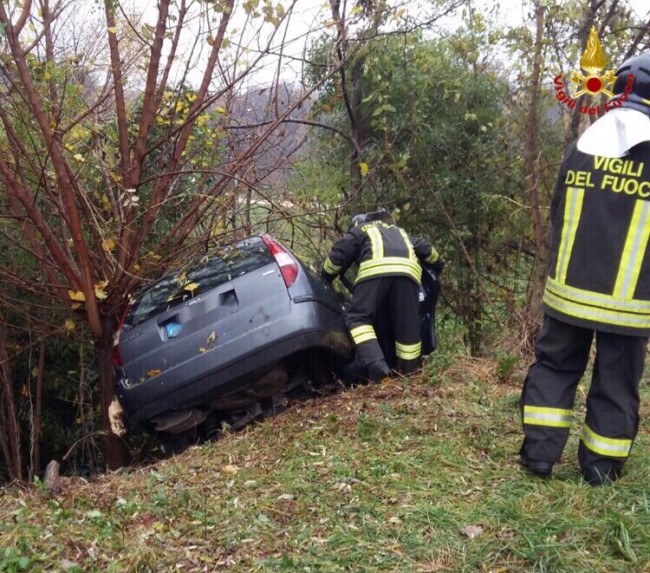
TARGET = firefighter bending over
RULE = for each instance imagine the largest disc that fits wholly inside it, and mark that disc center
(387, 284)
(598, 283)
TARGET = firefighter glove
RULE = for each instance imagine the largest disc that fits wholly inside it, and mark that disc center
(438, 265)
(327, 278)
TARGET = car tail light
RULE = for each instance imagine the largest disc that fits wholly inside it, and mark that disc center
(288, 265)
(117, 357)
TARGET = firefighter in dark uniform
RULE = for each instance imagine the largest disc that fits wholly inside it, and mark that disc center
(598, 284)
(387, 281)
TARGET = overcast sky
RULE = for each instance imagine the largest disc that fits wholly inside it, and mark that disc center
(309, 20)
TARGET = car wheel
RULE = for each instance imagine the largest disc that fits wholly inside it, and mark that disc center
(173, 444)
(321, 376)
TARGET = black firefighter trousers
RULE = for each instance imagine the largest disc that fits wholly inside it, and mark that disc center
(612, 420)
(392, 304)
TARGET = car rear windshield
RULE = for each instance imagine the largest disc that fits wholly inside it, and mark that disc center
(209, 272)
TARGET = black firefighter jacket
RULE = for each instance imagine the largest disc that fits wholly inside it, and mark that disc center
(599, 267)
(380, 250)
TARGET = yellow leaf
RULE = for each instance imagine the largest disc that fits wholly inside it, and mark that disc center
(75, 306)
(202, 350)
(230, 469)
(220, 109)
(152, 373)
(108, 244)
(210, 41)
(212, 337)
(356, 10)
(100, 293)
(79, 157)
(77, 295)
(112, 30)
(35, 372)
(191, 287)
(69, 324)
(363, 167)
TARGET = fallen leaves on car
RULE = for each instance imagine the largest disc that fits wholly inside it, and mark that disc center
(154, 372)
(212, 338)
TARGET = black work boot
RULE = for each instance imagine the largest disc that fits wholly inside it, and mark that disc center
(538, 467)
(378, 370)
(601, 473)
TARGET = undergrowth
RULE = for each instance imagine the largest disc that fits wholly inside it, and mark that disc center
(418, 475)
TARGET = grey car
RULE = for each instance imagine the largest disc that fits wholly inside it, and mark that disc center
(226, 339)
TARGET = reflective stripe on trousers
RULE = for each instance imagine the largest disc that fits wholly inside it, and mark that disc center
(551, 417)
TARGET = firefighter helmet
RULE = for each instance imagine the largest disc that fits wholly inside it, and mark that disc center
(637, 89)
(381, 214)
(358, 220)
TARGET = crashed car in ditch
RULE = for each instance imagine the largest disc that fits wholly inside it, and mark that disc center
(229, 337)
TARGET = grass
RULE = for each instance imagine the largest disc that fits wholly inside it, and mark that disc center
(419, 475)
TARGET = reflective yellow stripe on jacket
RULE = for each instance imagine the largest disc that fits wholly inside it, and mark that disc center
(363, 333)
(330, 268)
(376, 242)
(633, 251)
(389, 266)
(597, 307)
(617, 307)
(572, 210)
(433, 257)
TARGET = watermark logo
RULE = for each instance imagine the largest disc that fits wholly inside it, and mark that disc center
(590, 82)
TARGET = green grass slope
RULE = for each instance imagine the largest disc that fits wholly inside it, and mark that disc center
(419, 475)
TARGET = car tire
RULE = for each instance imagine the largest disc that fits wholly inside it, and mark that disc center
(321, 376)
(173, 444)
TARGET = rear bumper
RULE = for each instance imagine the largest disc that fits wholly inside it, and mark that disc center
(231, 367)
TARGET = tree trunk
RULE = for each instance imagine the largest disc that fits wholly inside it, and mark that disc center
(531, 173)
(37, 431)
(116, 452)
(10, 429)
(358, 133)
